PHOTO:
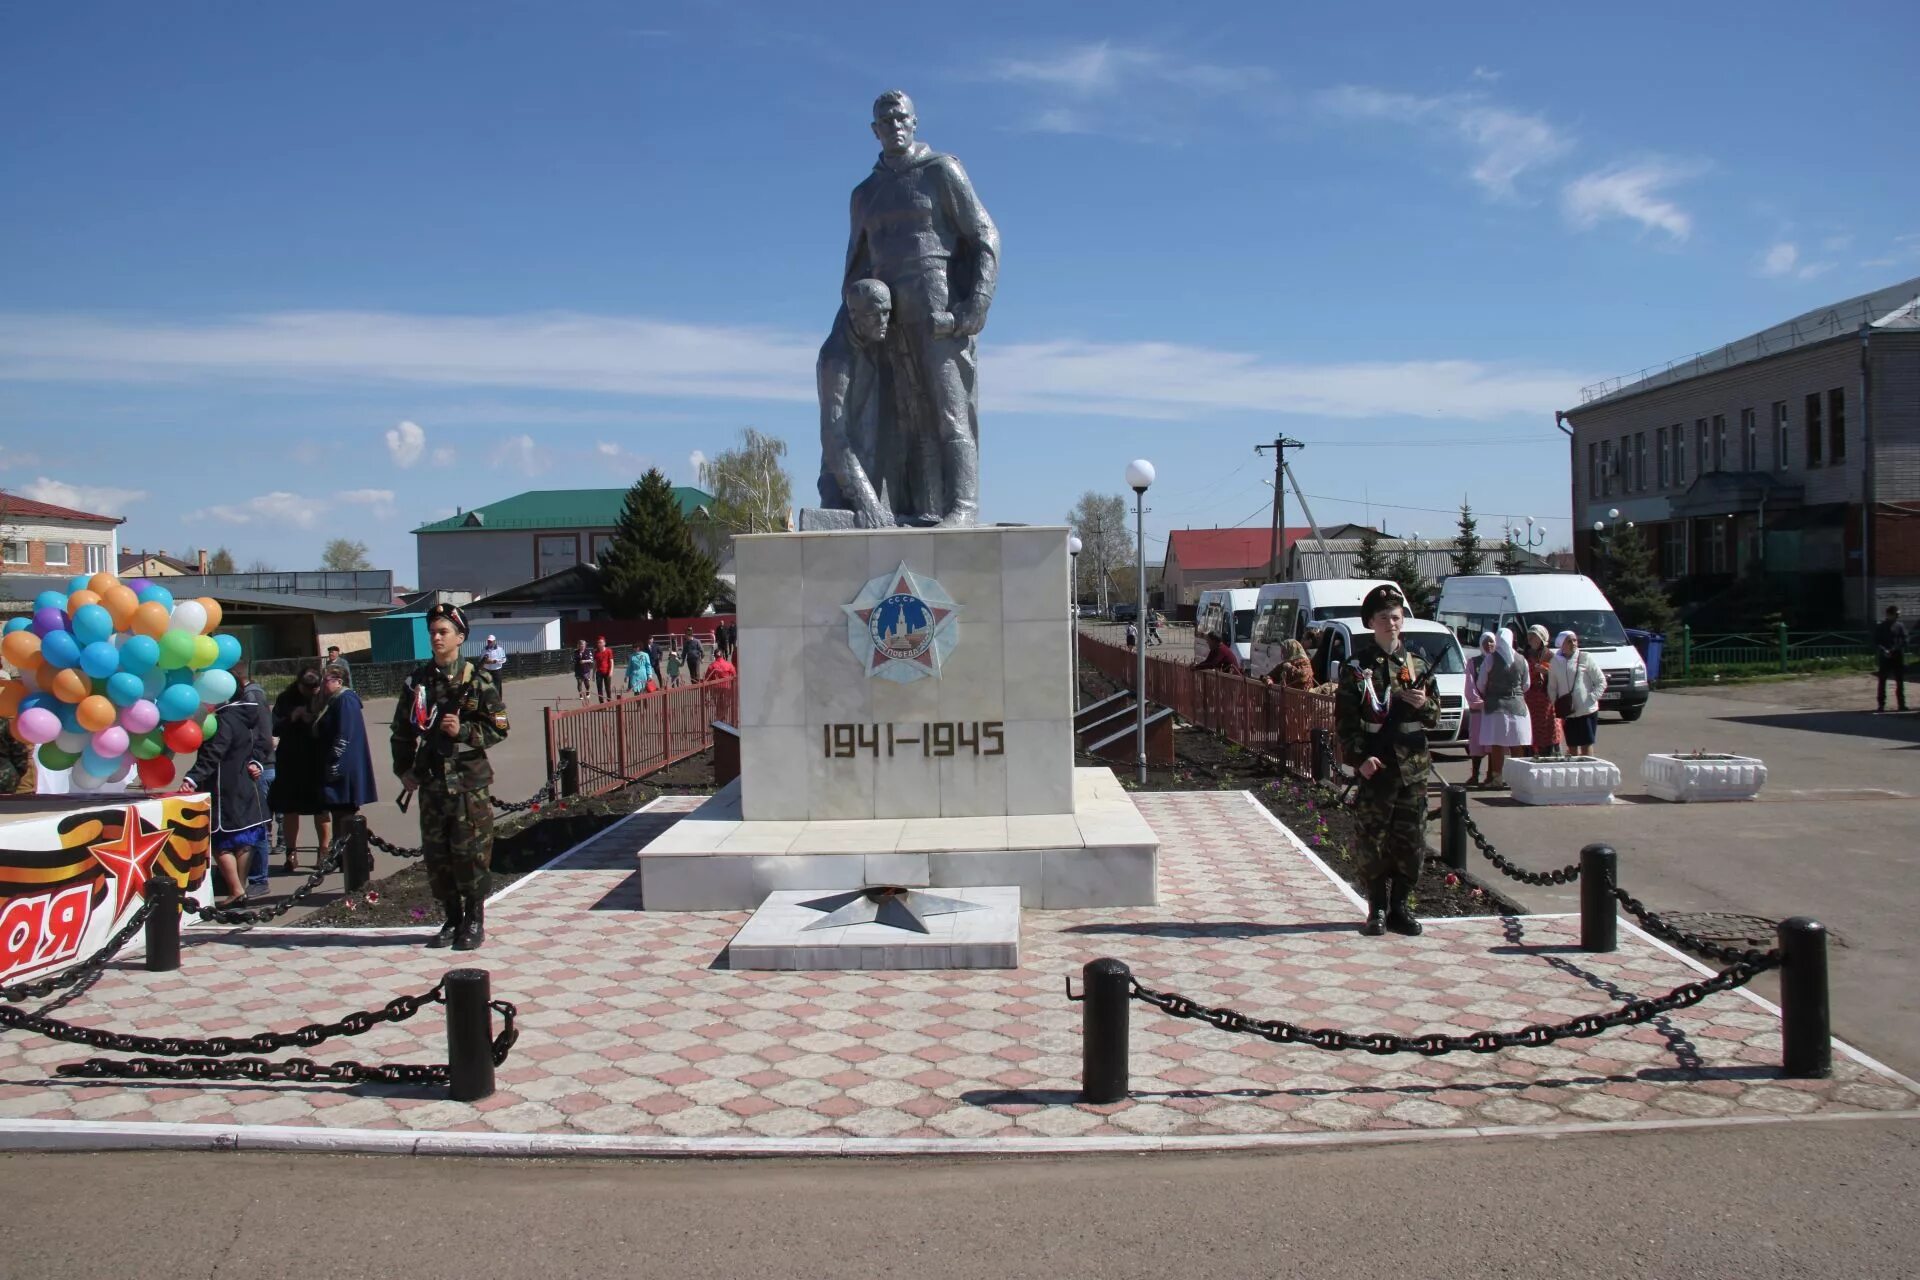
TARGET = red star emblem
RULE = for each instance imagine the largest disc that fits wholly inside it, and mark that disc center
(129, 859)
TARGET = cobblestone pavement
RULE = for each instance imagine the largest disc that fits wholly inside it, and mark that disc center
(630, 1027)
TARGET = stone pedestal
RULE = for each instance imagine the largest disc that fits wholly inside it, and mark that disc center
(1570, 780)
(1691, 778)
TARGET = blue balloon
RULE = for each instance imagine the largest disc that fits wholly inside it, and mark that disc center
(60, 649)
(50, 600)
(180, 675)
(98, 659)
(139, 654)
(229, 649)
(96, 764)
(16, 624)
(178, 702)
(154, 682)
(157, 592)
(123, 690)
(78, 582)
(69, 713)
(91, 623)
(46, 700)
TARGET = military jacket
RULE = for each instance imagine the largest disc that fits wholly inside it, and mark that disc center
(1371, 722)
(441, 763)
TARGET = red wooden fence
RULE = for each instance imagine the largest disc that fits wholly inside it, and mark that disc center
(628, 738)
(1263, 717)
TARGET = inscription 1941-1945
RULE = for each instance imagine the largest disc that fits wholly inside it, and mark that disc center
(935, 739)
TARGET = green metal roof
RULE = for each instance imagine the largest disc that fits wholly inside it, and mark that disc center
(556, 509)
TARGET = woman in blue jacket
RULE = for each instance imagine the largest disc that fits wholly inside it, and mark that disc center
(639, 670)
(346, 761)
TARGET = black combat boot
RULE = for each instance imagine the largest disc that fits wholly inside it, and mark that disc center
(473, 927)
(1400, 917)
(1376, 907)
(450, 930)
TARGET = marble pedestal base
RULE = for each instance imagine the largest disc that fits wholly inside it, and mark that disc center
(777, 936)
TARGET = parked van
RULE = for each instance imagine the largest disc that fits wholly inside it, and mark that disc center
(1331, 641)
(1287, 610)
(1227, 613)
(1559, 602)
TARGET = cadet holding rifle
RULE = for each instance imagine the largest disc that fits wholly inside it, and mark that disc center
(1384, 707)
(449, 714)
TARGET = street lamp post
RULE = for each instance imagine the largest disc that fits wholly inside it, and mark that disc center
(1073, 609)
(1140, 479)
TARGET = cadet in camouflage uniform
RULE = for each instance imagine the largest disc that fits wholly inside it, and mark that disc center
(1385, 705)
(450, 712)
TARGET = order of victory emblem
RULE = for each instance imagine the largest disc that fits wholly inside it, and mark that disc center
(902, 625)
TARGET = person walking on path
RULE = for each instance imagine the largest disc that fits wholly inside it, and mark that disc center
(246, 689)
(1890, 646)
(671, 678)
(657, 659)
(1575, 684)
(493, 660)
(1546, 725)
(333, 659)
(1476, 748)
(295, 790)
(1504, 724)
(1382, 712)
(639, 671)
(1154, 619)
(721, 669)
(583, 670)
(229, 767)
(1133, 637)
(690, 655)
(346, 761)
(449, 715)
(603, 670)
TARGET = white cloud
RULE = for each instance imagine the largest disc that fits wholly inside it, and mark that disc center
(1634, 192)
(443, 456)
(1487, 75)
(1779, 259)
(405, 443)
(1505, 143)
(622, 459)
(1137, 93)
(104, 500)
(11, 458)
(695, 461)
(1836, 244)
(278, 507)
(380, 500)
(520, 453)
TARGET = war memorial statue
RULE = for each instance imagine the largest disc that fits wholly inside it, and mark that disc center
(899, 404)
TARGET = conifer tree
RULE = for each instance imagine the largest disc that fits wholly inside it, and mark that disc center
(1370, 561)
(653, 566)
(1466, 554)
(1509, 561)
(1633, 586)
(1419, 590)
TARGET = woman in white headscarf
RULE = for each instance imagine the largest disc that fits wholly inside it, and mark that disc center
(1504, 724)
(1476, 745)
(1575, 684)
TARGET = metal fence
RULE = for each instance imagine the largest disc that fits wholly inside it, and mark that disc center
(628, 738)
(1780, 649)
(1269, 718)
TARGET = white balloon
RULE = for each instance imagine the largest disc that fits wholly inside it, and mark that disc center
(190, 616)
(73, 740)
(80, 780)
(122, 769)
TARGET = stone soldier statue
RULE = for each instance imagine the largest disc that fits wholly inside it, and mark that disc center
(853, 470)
(449, 714)
(919, 229)
(1385, 705)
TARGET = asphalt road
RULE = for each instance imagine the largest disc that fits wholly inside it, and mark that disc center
(1758, 1202)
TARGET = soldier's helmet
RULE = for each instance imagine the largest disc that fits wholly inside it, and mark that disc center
(1384, 596)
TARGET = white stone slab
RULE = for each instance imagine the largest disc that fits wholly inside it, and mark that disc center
(1572, 780)
(777, 936)
(1696, 778)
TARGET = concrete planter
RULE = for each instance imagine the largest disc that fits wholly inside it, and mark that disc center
(1703, 777)
(1574, 780)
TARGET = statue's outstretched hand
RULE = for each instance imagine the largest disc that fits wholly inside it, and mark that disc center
(968, 320)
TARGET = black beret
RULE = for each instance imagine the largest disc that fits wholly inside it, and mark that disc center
(1384, 596)
(451, 612)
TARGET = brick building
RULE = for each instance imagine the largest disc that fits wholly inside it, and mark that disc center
(1793, 454)
(1202, 559)
(46, 540)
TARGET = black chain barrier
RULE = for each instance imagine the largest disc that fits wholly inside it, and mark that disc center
(1564, 875)
(1653, 924)
(41, 988)
(534, 801)
(336, 852)
(392, 848)
(1435, 1043)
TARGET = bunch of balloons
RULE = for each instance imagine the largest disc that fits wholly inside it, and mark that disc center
(116, 677)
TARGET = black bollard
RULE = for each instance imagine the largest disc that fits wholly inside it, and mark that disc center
(1806, 1032)
(1599, 923)
(1453, 826)
(469, 1035)
(163, 924)
(1103, 1030)
(356, 858)
(569, 772)
(1322, 755)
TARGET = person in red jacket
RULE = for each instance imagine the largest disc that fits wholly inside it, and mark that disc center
(720, 668)
(602, 669)
(1220, 657)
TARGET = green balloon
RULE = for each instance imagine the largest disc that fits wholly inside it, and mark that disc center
(176, 650)
(52, 757)
(205, 652)
(145, 746)
(209, 726)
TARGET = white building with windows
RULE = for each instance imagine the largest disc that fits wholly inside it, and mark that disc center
(41, 539)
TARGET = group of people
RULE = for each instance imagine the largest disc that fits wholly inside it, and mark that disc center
(1154, 619)
(1529, 703)
(659, 664)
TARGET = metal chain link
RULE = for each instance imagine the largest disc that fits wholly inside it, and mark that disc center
(533, 802)
(1565, 875)
(1435, 1043)
(336, 852)
(392, 848)
(41, 988)
(398, 1009)
(1660, 929)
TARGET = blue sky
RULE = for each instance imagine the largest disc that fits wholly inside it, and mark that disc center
(277, 273)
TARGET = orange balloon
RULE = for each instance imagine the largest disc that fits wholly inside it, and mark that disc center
(69, 684)
(78, 598)
(152, 619)
(10, 695)
(120, 602)
(212, 607)
(101, 583)
(19, 647)
(94, 713)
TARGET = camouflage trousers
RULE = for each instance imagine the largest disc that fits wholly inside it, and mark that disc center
(1391, 816)
(456, 840)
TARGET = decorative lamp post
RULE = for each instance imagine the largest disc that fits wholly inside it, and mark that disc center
(1073, 609)
(1140, 479)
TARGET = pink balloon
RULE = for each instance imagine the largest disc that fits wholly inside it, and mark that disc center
(139, 717)
(110, 742)
(36, 724)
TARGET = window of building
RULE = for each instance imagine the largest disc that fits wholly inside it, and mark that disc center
(14, 551)
(1679, 438)
(1749, 440)
(1673, 549)
(554, 552)
(1660, 451)
(1780, 454)
(600, 542)
(1593, 470)
(1719, 442)
(1813, 429)
(1702, 448)
(1640, 460)
(1836, 425)
(56, 555)
(1717, 549)
(96, 558)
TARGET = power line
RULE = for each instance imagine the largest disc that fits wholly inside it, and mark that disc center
(1442, 443)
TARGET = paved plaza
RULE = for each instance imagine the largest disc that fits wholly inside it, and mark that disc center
(635, 1037)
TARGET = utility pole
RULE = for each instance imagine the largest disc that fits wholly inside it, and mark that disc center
(1279, 446)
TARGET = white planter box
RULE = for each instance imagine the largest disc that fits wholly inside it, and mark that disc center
(1709, 777)
(1574, 780)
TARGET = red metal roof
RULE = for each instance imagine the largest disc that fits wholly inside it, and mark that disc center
(1243, 548)
(12, 504)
